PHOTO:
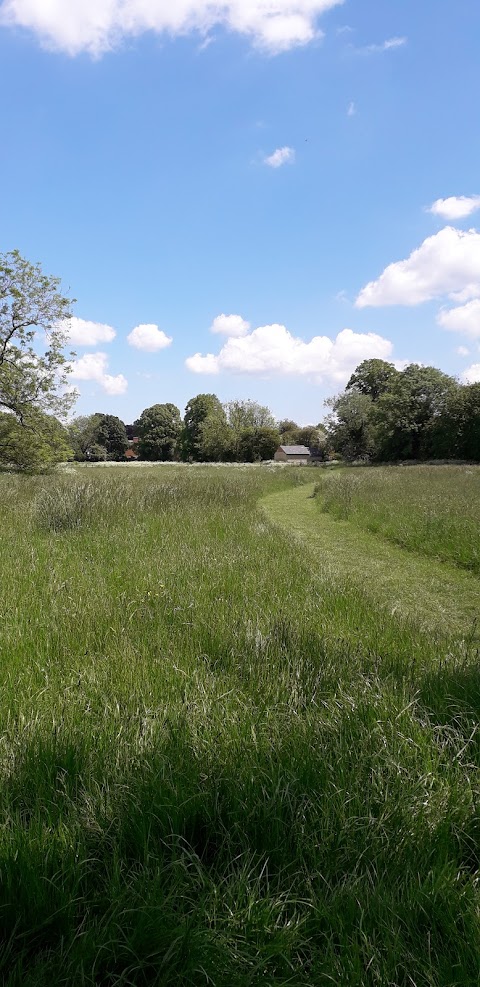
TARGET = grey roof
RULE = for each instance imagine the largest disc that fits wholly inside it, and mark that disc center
(295, 450)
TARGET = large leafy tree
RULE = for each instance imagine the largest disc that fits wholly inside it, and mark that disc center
(98, 436)
(217, 440)
(159, 429)
(204, 416)
(469, 432)
(33, 367)
(407, 414)
(249, 414)
(350, 425)
(373, 378)
(112, 435)
(82, 433)
(456, 432)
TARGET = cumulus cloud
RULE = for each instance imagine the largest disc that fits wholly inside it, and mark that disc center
(97, 26)
(114, 385)
(81, 332)
(230, 325)
(463, 351)
(447, 263)
(465, 319)
(149, 337)
(472, 374)
(272, 350)
(282, 156)
(456, 206)
(94, 366)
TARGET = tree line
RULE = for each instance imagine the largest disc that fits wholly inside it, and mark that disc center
(418, 413)
(238, 431)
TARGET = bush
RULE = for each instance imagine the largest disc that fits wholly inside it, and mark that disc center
(35, 447)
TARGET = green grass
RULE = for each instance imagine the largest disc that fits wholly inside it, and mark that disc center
(432, 510)
(224, 760)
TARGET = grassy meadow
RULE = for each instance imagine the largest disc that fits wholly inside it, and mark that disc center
(230, 754)
(432, 510)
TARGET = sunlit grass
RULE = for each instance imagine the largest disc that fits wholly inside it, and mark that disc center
(432, 510)
(220, 765)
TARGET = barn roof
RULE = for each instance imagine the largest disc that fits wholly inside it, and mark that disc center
(295, 450)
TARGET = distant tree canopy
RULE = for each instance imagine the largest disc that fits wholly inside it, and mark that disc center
(248, 414)
(416, 413)
(112, 435)
(373, 378)
(237, 431)
(204, 415)
(159, 430)
(255, 444)
(97, 437)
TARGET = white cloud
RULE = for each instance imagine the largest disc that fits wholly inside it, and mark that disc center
(352, 109)
(81, 332)
(383, 46)
(462, 351)
(447, 263)
(230, 325)
(93, 366)
(472, 374)
(466, 293)
(199, 364)
(283, 155)
(456, 206)
(464, 319)
(114, 385)
(149, 337)
(97, 26)
(272, 350)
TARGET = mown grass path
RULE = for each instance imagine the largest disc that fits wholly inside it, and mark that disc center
(436, 596)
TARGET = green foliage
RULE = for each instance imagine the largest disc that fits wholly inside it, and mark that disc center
(351, 426)
(33, 447)
(31, 380)
(286, 426)
(159, 431)
(82, 435)
(216, 441)
(456, 434)
(204, 423)
(110, 433)
(98, 436)
(373, 378)
(255, 444)
(248, 414)
(241, 431)
(419, 413)
(406, 413)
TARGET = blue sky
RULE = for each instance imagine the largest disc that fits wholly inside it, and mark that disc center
(179, 165)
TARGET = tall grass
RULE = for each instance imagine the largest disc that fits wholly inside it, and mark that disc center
(219, 766)
(432, 510)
